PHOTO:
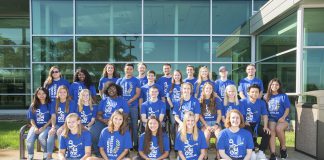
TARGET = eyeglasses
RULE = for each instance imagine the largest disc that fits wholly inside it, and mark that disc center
(55, 72)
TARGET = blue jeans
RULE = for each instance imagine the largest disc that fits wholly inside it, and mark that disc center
(51, 141)
(95, 131)
(31, 138)
(134, 123)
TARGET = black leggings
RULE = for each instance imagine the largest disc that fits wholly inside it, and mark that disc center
(260, 133)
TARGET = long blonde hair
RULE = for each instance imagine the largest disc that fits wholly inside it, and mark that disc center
(183, 129)
(181, 94)
(66, 128)
(49, 79)
(226, 98)
(67, 102)
(200, 79)
(122, 129)
(80, 101)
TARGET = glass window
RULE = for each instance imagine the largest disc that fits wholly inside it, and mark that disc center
(14, 81)
(52, 49)
(108, 17)
(14, 31)
(176, 17)
(313, 69)
(52, 16)
(313, 26)
(14, 57)
(231, 49)
(278, 38)
(235, 71)
(176, 49)
(110, 49)
(258, 4)
(15, 101)
(40, 73)
(231, 17)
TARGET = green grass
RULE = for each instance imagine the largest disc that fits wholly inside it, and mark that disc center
(290, 140)
(9, 134)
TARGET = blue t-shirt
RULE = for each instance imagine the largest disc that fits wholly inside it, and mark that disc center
(191, 105)
(76, 88)
(153, 108)
(104, 80)
(230, 106)
(75, 145)
(145, 92)
(277, 105)
(61, 114)
(235, 144)
(114, 143)
(200, 87)
(192, 81)
(154, 146)
(129, 88)
(143, 80)
(175, 94)
(191, 149)
(41, 115)
(245, 83)
(220, 87)
(164, 82)
(208, 115)
(52, 88)
(86, 114)
(109, 105)
(253, 111)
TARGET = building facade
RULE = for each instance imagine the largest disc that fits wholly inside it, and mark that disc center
(285, 39)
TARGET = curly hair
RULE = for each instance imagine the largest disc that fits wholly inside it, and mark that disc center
(87, 79)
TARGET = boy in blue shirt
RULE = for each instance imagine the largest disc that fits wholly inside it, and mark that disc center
(248, 81)
(222, 82)
(190, 70)
(141, 68)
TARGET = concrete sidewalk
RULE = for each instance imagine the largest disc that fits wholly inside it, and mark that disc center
(14, 155)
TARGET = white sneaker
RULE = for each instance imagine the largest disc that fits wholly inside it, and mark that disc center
(261, 156)
(253, 156)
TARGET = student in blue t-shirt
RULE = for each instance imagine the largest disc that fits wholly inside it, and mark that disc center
(53, 81)
(82, 80)
(231, 102)
(203, 77)
(86, 110)
(255, 108)
(248, 81)
(190, 141)
(278, 107)
(153, 144)
(190, 70)
(211, 113)
(141, 68)
(109, 74)
(187, 103)
(39, 116)
(234, 142)
(60, 108)
(222, 82)
(106, 108)
(76, 141)
(131, 92)
(153, 106)
(115, 140)
(165, 80)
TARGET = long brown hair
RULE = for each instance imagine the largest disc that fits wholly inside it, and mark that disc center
(49, 79)
(105, 74)
(80, 101)
(36, 102)
(183, 129)
(67, 102)
(66, 128)
(122, 129)
(269, 92)
(148, 136)
(212, 100)
(182, 96)
(173, 81)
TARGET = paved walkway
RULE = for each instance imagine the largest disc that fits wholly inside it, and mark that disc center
(14, 155)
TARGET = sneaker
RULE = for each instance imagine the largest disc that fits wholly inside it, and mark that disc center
(253, 156)
(273, 157)
(261, 156)
(283, 153)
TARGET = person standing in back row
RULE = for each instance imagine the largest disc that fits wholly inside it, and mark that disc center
(222, 82)
(246, 82)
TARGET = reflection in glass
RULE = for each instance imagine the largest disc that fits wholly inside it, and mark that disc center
(14, 81)
(278, 38)
(231, 49)
(176, 17)
(15, 101)
(108, 49)
(231, 17)
(52, 49)
(40, 73)
(258, 4)
(14, 31)
(52, 16)
(313, 26)
(11, 57)
(108, 17)
(176, 49)
(313, 69)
